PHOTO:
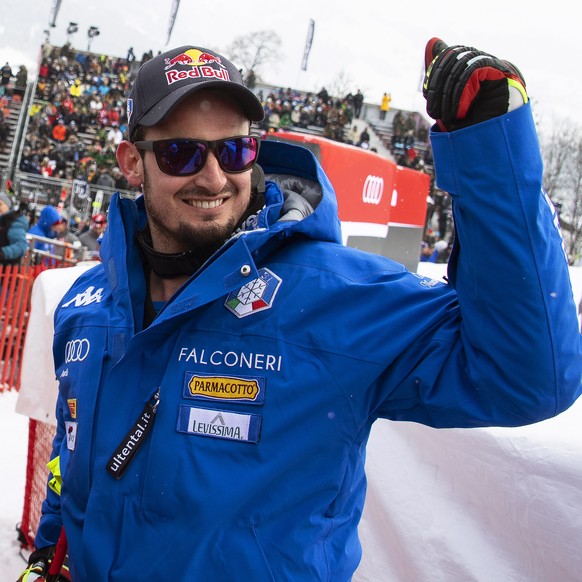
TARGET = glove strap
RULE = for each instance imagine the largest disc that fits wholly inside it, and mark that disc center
(517, 94)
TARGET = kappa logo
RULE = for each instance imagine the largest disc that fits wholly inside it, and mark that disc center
(257, 295)
(426, 281)
(373, 190)
(86, 297)
(77, 350)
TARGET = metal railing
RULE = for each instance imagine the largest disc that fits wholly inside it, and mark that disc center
(59, 253)
(67, 194)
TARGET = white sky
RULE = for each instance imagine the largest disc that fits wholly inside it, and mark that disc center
(378, 46)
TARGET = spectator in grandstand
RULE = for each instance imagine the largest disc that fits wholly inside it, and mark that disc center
(121, 182)
(336, 120)
(48, 218)
(13, 227)
(251, 79)
(103, 177)
(275, 117)
(437, 253)
(427, 253)
(90, 238)
(146, 56)
(30, 162)
(47, 167)
(398, 129)
(115, 135)
(73, 251)
(410, 158)
(4, 130)
(5, 75)
(385, 106)
(364, 141)
(76, 89)
(47, 226)
(59, 132)
(358, 102)
(21, 78)
(323, 95)
(43, 70)
(228, 311)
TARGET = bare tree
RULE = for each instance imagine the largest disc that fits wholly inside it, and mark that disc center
(254, 50)
(341, 85)
(562, 179)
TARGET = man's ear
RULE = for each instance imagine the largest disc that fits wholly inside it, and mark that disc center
(130, 163)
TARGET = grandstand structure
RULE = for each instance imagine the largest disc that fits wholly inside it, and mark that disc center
(72, 188)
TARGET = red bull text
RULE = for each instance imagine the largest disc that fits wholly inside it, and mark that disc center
(204, 71)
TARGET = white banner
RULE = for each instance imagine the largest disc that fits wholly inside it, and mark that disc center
(56, 4)
(308, 43)
(172, 20)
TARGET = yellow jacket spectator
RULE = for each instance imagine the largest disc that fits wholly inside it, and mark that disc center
(76, 89)
(385, 105)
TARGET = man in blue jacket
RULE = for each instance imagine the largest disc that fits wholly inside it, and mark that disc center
(222, 367)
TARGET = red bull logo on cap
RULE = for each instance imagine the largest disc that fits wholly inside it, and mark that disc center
(202, 65)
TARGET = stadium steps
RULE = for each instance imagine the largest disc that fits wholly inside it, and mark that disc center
(12, 107)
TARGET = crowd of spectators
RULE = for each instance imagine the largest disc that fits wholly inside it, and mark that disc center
(288, 108)
(78, 117)
(12, 86)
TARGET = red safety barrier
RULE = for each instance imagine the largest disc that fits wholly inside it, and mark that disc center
(40, 439)
(15, 290)
(15, 299)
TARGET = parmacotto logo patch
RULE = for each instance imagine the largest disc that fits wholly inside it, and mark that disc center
(250, 390)
(219, 424)
(257, 295)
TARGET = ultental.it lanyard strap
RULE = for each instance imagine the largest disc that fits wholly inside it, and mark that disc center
(129, 446)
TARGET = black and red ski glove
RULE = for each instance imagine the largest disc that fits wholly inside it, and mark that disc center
(38, 567)
(463, 86)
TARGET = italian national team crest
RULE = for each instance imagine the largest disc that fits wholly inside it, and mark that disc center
(257, 295)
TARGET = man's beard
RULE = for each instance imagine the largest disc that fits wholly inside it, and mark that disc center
(204, 237)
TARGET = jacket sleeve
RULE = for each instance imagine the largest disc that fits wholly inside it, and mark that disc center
(519, 328)
(51, 522)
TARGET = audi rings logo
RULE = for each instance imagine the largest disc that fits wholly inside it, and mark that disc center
(373, 189)
(76, 350)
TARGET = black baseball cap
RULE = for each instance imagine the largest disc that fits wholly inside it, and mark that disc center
(162, 82)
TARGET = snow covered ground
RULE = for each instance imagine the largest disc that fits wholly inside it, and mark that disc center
(13, 453)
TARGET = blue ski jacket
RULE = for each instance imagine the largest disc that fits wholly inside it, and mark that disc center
(226, 441)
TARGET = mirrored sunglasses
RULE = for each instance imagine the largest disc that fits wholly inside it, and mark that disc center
(185, 157)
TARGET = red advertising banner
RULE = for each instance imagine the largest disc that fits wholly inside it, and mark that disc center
(409, 198)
